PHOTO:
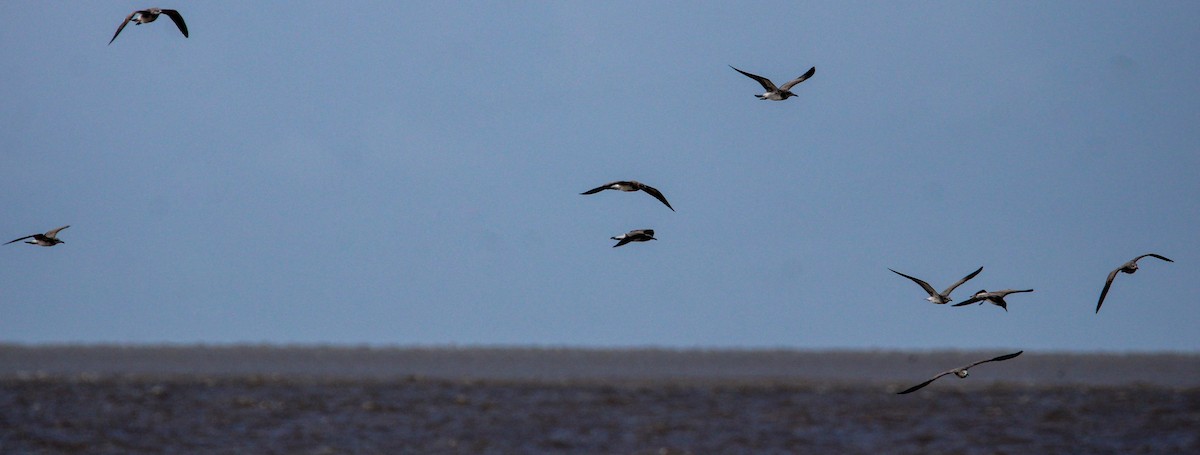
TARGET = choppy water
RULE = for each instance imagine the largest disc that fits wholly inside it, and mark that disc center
(133, 408)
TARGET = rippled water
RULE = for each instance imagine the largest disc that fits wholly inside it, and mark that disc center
(255, 415)
(82, 412)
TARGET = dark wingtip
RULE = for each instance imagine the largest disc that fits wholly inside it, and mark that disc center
(911, 389)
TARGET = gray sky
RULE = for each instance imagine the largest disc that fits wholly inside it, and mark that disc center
(399, 173)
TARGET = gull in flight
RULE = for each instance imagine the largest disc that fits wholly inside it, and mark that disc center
(944, 296)
(960, 372)
(50, 238)
(144, 16)
(631, 185)
(636, 235)
(1129, 267)
(996, 297)
(777, 93)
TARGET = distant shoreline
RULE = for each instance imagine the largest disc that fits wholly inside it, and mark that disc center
(450, 348)
(576, 364)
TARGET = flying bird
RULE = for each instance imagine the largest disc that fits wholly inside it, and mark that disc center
(631, 185)
(1129, 267)
(944, 296)
(50, 238)
(148, 15)
(960, 372)
(636, 235)
(996, 297)
(777, 93)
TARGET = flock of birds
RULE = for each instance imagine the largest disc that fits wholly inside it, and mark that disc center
(773, 93)
(997, 298)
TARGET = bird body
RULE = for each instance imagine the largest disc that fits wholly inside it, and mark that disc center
(636, 235)
(960, 372)
(939, 297)
(774, 93)
(1128, 267)
(629, 186)
(994, 297)
(148, 15)
(50, 238)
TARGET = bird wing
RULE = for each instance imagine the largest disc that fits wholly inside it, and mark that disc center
(995, 359)
(600, 188)
(969, 301)
(1151, 255)
(54, 232)
(1006, 292)
(657, 195)
(766, 83)
(1107, 284)
(22, 238)
(178, 19)
(623, 241)
(919, 281)
(923, 384)
(960, 282)
(122, 27)
(802, 78)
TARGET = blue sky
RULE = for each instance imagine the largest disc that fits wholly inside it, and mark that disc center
(401, 173)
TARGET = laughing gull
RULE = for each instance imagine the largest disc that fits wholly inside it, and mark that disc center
(1129, 267)
(996, 298)
(777, 93)
(48, 239)
(636, 235)
(944, 296)
(148, 15)
(960, 372)
(631, 185)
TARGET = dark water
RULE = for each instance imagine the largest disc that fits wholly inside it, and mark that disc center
(231, 410)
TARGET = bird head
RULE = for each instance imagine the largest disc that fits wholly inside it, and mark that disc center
(961, 373)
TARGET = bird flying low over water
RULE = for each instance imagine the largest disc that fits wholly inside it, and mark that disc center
(944, 296)
(636, 235)
(996, 297)
(148, 15)
(631, 185)
(1129, 267)
(960, 372)
(50, 238)
(777, 93)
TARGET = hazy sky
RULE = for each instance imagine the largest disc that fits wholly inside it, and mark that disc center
(404, 173)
